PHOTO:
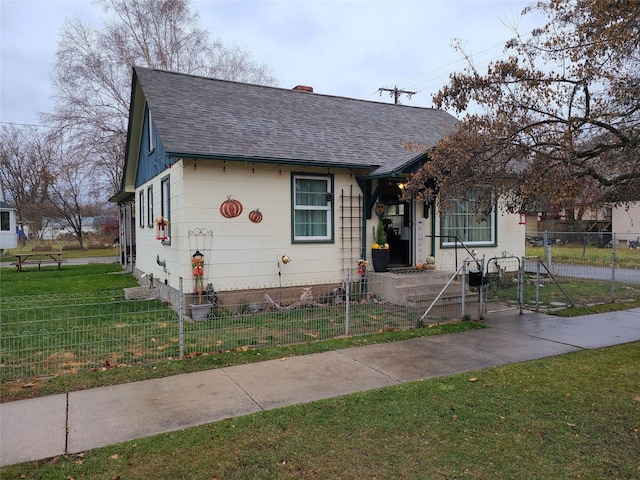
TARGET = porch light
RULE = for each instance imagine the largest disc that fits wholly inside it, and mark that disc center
(282, 258)
(523, 218)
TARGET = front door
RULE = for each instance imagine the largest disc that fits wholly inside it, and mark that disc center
(398, 225)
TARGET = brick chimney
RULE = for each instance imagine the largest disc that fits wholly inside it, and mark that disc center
(303, 88)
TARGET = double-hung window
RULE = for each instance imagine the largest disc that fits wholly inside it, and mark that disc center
(461, 220)
(151, 131)
(165, 202)
(141, 208)
(312, 211)
(150, 206)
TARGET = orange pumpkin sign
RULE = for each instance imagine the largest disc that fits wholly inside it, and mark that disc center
(230, 208)
(255, 216)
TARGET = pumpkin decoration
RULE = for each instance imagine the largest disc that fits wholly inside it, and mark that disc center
(230, 208)
(255, 216)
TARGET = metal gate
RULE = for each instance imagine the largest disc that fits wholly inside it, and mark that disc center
(502, 284)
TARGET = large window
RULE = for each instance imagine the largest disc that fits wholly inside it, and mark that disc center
(312, 210)
(461, 221)
(141, 208)
(165, 202)
(150, 207)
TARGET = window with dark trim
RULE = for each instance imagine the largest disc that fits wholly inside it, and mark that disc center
(141, 208)
(165, 203)
(150, 206)
(5, 221)
(151, 131)
(312, 208)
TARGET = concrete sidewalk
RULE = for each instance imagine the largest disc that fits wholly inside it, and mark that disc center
(45, 427)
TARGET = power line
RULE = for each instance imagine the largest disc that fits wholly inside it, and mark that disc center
(439, 80)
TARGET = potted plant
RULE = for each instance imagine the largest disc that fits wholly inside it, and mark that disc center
(380, 249)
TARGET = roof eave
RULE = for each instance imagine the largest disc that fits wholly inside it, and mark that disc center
(269, 160)
(405, 168)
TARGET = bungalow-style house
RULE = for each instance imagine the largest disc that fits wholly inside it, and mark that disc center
(277, 186)
(8, 226)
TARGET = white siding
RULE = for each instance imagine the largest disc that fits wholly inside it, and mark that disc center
(9, 238)
(243, 254)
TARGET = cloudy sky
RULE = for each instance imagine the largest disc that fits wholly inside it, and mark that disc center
(344, 48)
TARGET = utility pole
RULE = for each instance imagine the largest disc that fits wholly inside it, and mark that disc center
(395, 93)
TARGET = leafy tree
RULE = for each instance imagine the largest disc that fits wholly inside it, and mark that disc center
(557, 121)
(92, 73)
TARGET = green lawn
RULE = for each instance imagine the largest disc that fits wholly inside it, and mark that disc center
(80, 319)
(567, 417)
(70, 279)
(582, 292)
(578, 255)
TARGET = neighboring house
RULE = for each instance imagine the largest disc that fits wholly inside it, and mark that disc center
(315, 166)
(625, 223)
(9, 230)
(54, 229)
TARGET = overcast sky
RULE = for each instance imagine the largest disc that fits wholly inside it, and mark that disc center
(344, 48)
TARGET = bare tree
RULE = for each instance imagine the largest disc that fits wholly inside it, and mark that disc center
(25, 168)
(557, 121)
(73, 194)
(92, 73)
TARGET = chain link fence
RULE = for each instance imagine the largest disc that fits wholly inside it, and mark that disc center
(580, 268)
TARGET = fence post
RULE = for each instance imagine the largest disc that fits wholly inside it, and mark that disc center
(538, 261)
(180, 318)
(463, 296)
(521, 281)
(347, 303)
(547, 249)
(613, 275)
(481, 289)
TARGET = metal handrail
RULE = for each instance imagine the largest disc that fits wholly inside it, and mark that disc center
(458, 240)
(441, 292)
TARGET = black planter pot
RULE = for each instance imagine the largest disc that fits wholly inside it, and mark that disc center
(380, 258)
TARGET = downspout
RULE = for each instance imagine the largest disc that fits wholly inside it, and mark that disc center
(433, 227)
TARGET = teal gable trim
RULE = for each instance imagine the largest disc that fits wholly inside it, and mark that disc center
(150, 163)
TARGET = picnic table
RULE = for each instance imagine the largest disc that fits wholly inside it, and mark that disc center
(37, 258)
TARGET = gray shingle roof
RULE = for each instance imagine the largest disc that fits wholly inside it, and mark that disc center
(204, 117)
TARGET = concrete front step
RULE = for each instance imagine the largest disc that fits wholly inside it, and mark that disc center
(398, 287)
(447, 298)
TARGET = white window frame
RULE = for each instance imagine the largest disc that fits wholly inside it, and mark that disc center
(5, 221)
(465, 212)
(327, 209)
